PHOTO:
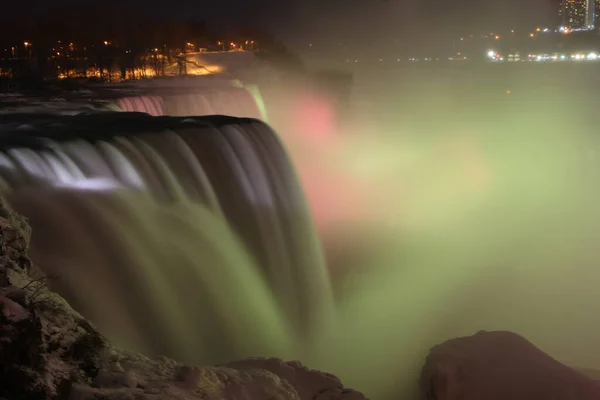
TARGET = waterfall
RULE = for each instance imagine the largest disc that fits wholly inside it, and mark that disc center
(171, 233)
(198, 224)
(233, 101)
(153, 105)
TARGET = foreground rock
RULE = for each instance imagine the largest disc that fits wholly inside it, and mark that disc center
(500, 366)
(48, 351)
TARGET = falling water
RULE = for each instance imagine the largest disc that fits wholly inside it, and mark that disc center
(163, 280)
(153, 105)
(234, 101)
(170, 254)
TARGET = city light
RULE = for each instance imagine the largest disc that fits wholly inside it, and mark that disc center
(544, 57)
(521, 41)
(578, 15)
(68, 57)
(494, 56)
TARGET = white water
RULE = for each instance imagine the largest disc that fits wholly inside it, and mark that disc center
(185, 196)
(234, 101)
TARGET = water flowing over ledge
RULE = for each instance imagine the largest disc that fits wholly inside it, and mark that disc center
(49, 351)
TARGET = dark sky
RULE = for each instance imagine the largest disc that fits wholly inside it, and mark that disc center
(299, 21)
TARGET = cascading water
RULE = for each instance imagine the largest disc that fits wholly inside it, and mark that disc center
(234, 101)
(148, 211)
(153, 105)
(168, 280)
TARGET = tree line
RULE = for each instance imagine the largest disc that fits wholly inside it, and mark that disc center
(110, 39)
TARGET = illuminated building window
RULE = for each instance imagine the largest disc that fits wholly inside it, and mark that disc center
(577, 14)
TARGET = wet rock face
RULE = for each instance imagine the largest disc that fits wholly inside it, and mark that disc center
(17, 343)
(44, 345)
(48, 351)
(500, 366)
(308, 384)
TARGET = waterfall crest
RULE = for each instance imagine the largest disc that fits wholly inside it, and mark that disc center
(174, 239)
(234, 101)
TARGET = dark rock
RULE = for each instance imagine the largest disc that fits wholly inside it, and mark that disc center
(310, 384)
(500, 366)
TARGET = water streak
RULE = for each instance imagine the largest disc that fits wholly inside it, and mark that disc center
(234, 101)
(206, 229)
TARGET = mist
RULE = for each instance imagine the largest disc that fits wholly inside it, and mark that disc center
(453, 201)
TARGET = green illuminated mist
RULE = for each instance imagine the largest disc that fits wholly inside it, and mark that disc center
(482, 214)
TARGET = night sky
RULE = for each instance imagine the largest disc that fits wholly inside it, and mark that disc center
(363, 21)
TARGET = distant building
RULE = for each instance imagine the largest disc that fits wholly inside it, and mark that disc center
(590, 13)
(578, 14)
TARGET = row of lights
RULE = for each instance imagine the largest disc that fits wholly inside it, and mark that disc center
(108, 43)
(592, 56)
(562, 29)
(414, 59)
